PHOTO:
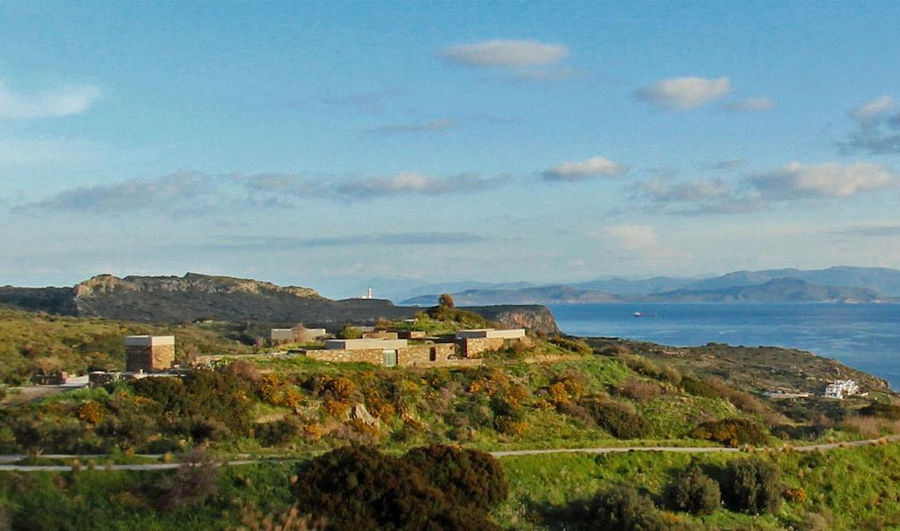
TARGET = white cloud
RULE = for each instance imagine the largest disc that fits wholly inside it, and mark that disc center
(421, 127)
(506, 53)
(870, 111)
(62, 101)
(632, 237)
(585, 169)
(824, 180)
(413, 183)
(684, 93)
(751, 104)
(689, 191)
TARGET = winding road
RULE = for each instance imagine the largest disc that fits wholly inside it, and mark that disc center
(7, 462)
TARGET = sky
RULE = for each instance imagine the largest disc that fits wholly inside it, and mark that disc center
(337, 145)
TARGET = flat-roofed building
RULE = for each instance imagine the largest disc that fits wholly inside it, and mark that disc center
(149, 353)
(475, 342)
(475, 333)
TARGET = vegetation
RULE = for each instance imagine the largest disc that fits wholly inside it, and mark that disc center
(753, 485)
(551, 392)
(693, 491)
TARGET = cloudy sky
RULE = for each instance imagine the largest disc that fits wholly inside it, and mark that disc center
(328, 144)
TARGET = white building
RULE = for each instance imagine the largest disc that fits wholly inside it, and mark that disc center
(841, 388)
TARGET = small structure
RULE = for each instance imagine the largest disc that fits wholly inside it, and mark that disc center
(475, 342)
(55, 378)
(411, 334)
(841, 388)
(389, 353)
(279, 336)
(149, 353)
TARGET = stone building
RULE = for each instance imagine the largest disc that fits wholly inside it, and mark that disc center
(475, 342)
(390, 353)
(149, 353)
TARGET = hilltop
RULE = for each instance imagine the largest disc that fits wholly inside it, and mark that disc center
(197, 297)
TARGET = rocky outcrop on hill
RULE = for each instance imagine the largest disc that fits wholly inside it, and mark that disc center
(535, 317)
(193, 297)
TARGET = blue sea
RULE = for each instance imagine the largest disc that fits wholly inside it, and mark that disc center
(863, 336)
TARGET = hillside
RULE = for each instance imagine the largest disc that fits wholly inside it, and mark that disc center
(196, 297)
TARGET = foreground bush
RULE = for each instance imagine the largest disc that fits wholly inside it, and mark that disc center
(753, 486)
(693, 491)
(359, 488)
(467, 477)
(618, 508)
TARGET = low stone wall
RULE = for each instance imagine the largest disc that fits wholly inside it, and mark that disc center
(475, 347)
(375, 356)
(426, 353)
(456, 362)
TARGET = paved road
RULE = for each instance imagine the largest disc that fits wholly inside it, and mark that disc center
(7, 460)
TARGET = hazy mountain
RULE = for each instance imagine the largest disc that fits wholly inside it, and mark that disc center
(621, 286)
(536, 295)
(776, 290)
(882, 280)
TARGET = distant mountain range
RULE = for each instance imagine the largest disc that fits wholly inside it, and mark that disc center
(836, 284)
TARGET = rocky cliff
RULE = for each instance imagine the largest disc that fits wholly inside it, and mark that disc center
(170, 299)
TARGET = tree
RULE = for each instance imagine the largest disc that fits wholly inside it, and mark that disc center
(693, 491)
(753, 485)
(357, 487)
(618, 508)
(467, 477)
(445, 301)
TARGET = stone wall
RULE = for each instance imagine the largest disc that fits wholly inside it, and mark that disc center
(149, 359)
(475, 347)
(426, 353)
(374, 356)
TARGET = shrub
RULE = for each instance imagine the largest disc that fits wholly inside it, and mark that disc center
(617, 418)
(696, 387)
(278, 432)
(753, 485)
(693, 491)
(192, 483)
(878, 409)
(467, 477)
(733, 432)
(618, 508)
(359, 488)
(639, 389)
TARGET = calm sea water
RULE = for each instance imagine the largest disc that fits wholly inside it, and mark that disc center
(864, 336)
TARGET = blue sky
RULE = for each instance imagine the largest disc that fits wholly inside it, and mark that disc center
(330, 144)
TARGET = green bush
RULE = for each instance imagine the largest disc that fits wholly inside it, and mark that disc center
(696, 387)
(752, 485)
(693, 491)
(878, 409)
(617, 418)
(467, 477)
(617, 508)
(359, 488)
(733, 432)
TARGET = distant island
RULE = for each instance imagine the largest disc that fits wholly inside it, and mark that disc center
(842, 284)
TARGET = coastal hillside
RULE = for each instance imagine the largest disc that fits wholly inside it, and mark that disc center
(197, 297)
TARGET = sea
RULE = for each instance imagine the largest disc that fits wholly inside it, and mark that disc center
(862, 336)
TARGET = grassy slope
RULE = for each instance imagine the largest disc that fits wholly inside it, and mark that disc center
(30, 340)
(854, 488)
